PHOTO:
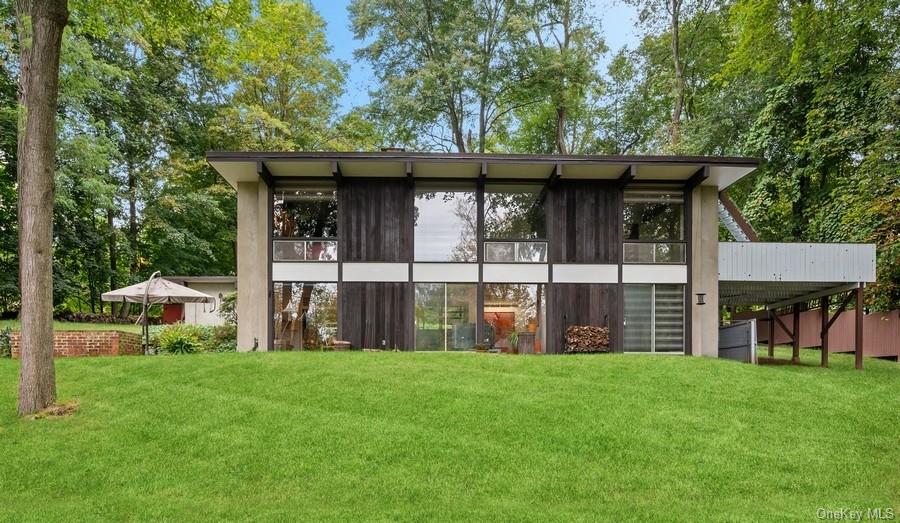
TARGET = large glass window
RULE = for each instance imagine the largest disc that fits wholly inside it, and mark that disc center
(654, 318)
(514, 317)
(305, 315)
(514, 212)
(654, 226)
(445, 316)
(305, 212)
(653, 214)
(446, 226)
(305, 224)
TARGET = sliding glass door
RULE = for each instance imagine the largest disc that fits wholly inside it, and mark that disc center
(446, 315)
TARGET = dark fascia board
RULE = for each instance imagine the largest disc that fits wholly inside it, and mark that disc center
(391, 156)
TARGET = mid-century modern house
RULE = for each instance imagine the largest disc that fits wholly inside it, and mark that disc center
(439, 252)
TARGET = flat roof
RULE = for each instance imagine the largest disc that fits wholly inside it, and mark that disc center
(244, 166)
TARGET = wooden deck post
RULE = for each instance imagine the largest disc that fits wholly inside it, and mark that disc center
(771, 335)
(859, 327)
(825, 332)
(795, 354)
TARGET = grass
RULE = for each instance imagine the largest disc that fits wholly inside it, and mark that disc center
(416, 437)
(75, 326)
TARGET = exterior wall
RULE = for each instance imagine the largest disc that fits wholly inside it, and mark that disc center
(704, 271)
(207, 313)
(89, 343)
(582, 304)
(253, 266)
(376, 272)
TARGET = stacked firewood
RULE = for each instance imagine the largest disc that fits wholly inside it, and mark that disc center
(585, 338)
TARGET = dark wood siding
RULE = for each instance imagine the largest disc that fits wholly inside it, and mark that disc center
(585, 226)
(375, 222)
(581, 304)
(372, 312)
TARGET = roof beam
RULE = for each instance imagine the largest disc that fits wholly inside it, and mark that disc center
(555, 175)
(264, 173)
(626, 177)
(482, 175)
(738, 217)
(812, 296)
(336, 172)
(699, 177)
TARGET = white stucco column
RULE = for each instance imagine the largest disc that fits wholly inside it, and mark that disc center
(252, 266)
(705, 271)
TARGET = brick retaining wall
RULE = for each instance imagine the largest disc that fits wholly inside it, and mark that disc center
(89, 343)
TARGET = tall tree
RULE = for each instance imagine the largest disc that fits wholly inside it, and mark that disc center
(566, 46)
(40, 25)
(667, 16)
(448, 71)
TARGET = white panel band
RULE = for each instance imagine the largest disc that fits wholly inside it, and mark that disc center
(305, 271)
(445, 272)
(654, 273)
(515, 273)
(585, 273)
(362, 271)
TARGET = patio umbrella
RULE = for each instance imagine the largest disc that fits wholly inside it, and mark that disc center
(155, 290)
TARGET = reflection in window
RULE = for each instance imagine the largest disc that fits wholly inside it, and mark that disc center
(305, 315)
(514, 212)
(446, 223)
(654, 318)
(445, 316)
(653, 214)
(305, 213)
(514, 317)
(654, 252)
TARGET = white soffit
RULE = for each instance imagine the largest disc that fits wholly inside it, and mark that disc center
(445, 272)
(373, 169)
(665, 172)
(722, 176)
(600, 171)
(299, 168)
(376, 272)
(235, 172)
(515, 273)
(654, 273)
(520, 170)
(585, 273)
(304, 271)
(446, 169)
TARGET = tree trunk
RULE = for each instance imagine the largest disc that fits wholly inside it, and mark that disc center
(113, 262)
(40, 25)
(561, 115)
(675, 129)
(132, 218)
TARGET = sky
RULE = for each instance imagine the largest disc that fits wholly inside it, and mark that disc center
(617, 20)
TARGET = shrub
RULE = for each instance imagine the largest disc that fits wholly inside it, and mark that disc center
(223, 338)
(181, 338)
(228, 308)
(6, 343)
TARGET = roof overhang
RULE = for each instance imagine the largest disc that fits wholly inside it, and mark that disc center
(238, 167)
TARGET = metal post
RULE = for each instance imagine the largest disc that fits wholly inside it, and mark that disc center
(771, 334)
(859, 327)
(795, 355)
(825, 332)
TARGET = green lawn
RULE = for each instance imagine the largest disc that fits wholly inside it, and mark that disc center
(74, 326)
(419, 437)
